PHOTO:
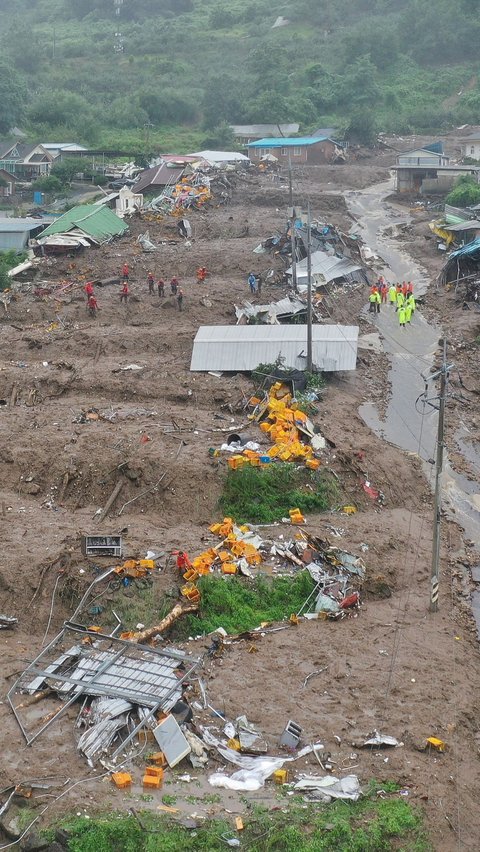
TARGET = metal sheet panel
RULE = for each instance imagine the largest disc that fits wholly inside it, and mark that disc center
(244, 347)
(16, 241)
(327, 265)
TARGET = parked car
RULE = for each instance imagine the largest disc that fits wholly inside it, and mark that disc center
(120, 183)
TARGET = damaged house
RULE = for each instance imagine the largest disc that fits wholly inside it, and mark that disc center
(82, 226)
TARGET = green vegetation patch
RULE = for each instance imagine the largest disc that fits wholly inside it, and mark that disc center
(466, 192)
(265, 495)
(237, 605)
(8, 260)
(372, 824)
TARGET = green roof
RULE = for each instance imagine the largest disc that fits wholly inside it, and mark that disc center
(97, 222)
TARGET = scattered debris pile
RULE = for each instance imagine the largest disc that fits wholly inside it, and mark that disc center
(294, 435)
(137, 686)
(335, 256)
(7, 621)
(290, 309)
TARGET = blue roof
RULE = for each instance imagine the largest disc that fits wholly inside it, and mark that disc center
(300, 141)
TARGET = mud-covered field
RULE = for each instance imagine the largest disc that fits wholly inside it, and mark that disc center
(74, 421)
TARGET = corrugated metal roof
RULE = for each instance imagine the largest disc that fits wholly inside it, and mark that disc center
(158, 176)
(329, 266)
(432, 167)
(264, 129)
(213, 157)
(110, 667)
(287, 143)
(101, 223)
(19, 225)
(243, 347)
(470, 225)
(106, 198)
(287, 307)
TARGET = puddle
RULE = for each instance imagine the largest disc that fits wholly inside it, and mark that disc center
(406, 424)
(475, 572)
(468, 446)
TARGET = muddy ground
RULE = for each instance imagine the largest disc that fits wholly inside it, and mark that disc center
(394, 667)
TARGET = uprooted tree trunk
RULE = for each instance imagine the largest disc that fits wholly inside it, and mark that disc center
(178, 610)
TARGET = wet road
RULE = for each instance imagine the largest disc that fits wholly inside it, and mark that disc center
(407, 423)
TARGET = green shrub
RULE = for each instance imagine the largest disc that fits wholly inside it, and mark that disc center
(265, 495)
(237, 604)
(465, 192)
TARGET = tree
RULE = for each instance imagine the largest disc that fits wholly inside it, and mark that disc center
(126, 113)
(222, 138)
(48, 183)
(221, 102)
(60, 108)
(13, 96)
(465, 193)
(21, 44)
(267, 107)
(362, 127)
(164, 107)
(65, 170)
(359, 86)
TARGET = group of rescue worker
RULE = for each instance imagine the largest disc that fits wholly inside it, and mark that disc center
(175, 289)
(399, 296)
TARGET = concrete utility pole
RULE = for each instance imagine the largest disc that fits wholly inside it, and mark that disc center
(435, 569)
(292, 217)
(309, 294)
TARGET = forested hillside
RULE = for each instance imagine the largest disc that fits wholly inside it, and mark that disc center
(124, 71)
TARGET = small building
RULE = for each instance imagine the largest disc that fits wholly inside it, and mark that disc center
(15, 233)
(241, 348)
(7, 184)
(430, 180)
(471, 146)
(252, 132)
(124, 201)
(429, 155)
(311, 150)
(56, 149)
(25, 162)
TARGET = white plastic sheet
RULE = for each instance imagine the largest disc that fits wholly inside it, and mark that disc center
(248, 779)
(328, 787)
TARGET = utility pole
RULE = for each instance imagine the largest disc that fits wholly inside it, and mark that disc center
(146, 127)
(309, 294)
(435, 569)
(292, 226)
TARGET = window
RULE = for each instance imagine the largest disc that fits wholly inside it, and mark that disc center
(297, 152)
(284, 152)
(472, 150)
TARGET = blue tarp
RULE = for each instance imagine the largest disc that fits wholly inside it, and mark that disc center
(469, 250)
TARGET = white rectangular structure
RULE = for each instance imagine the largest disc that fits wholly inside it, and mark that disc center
(241, 348)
